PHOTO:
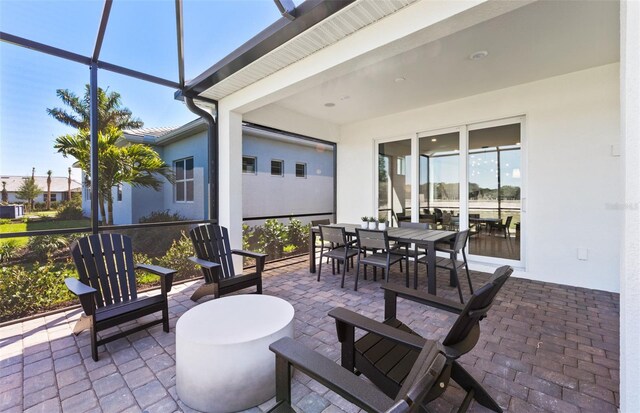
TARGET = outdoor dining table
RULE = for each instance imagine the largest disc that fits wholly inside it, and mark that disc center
(426, 238)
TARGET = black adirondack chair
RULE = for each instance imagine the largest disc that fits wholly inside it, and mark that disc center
(107, 287)
(214, 256)
(389, 350)
(430, 369)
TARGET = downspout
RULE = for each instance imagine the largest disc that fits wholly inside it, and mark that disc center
(212, 139)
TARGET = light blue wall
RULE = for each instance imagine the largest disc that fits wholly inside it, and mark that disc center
(265, 195)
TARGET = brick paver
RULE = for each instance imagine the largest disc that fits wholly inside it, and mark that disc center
(543, 347)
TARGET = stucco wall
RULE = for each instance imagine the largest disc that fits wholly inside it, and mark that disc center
(264, 194)
(194, 146)
(573, 181)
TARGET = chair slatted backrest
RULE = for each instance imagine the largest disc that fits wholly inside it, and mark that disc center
(461, 240)
(372, 239)
(211, 243)
(507, 224)
(413, 225)
(462, 332)
(426, 370)
(105, 262)
(335, 235)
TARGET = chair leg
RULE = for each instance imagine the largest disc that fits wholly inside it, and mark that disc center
(259, 286)
(466, 267)
(165, 317)
(319, 269)
(94, 346)
(455, 272)
(355, 288)
(344, 271)
(469, 384)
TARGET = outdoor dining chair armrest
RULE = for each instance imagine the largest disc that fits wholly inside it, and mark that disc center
(84, 293)
(393, 291)
(447, 250)
(204, 263)
(347, 318)
(327, 373)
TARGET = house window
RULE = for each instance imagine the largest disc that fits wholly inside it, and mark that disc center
(249, 164)
(87, 193)
(119, 196)
(301, 170)
(402, 166)
(277, 167)
(53, 197)
(183, 186)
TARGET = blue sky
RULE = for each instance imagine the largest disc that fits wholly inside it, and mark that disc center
(140, 36)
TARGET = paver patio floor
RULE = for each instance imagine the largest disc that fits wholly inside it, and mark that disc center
(543, 347)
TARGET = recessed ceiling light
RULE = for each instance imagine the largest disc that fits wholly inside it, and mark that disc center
(434, 140)
(399, 79)
(329, 104)
(479, 55)
(345, 97)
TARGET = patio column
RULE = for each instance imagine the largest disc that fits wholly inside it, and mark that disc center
(230, 176)
(630, 265)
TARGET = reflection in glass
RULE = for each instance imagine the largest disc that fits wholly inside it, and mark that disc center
(394, 181)
(494, 191)
(439, 180)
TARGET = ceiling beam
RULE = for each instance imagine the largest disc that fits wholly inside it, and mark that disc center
(287, 8)
(43, 48)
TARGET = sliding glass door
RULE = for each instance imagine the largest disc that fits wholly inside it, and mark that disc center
(494, 174)
(469, 176)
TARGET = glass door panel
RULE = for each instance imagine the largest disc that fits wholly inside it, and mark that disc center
(394, 181)
(439, 191)
(494, 191)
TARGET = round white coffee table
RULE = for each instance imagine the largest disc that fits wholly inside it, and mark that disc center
(223, 361)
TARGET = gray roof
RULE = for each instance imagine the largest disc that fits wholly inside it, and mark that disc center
(58, 183)
(156, 132)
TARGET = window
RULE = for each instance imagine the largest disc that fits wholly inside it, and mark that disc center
(53, 197)
(249, 164)
(301, 170)
(183, 170)
(119, 197)
(402, 166)
(277, 167)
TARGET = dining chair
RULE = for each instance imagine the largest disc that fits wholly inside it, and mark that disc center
(334, 239)
(503, 228)
(375, 251)
(451, 262)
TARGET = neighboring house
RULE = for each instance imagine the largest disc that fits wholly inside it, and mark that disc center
(59, 188)
(298, 171)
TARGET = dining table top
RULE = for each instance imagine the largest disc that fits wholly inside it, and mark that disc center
(413, 235)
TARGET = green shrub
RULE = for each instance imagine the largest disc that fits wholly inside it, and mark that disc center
(70, 210)
(26, 290)
(161, 216)
(44, 246)
(8, 250)
(177, 258)
(4, 221)
(288, 249)
(298, 234)
(273, 236)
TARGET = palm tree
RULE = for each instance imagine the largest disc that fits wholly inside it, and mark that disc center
(69, 184)
(49, 172)
(110, 112)
(135, 164)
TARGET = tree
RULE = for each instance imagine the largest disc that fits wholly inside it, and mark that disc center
(5, 194)
(69, 184)
(135, 164)
(110, 112)
(49, 172)
(29, 191)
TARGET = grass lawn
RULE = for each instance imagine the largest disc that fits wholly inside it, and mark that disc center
(37, 226)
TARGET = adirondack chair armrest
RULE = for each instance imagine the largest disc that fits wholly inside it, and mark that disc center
(393, 291)
(260, 258)
(328, 373)
(166, 275)
(347, 318)
(84, 293)
(204, 263)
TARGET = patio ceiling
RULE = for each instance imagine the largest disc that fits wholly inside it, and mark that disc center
(533, 42)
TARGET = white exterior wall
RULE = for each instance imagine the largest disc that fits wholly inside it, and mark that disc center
(630, 241)
(264, 194)
(194, 146)
(573, 181)
(13, 198)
